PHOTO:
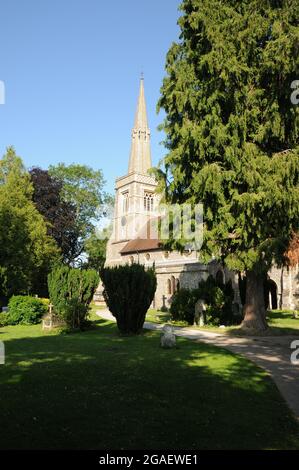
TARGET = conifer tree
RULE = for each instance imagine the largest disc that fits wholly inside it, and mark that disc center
(26, 251)
(232, 132)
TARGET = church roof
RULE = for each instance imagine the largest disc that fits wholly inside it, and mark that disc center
(141, 244)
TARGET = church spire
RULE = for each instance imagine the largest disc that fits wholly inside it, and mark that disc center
(140, 157)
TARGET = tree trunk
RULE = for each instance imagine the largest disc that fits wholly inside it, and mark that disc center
(254, 308)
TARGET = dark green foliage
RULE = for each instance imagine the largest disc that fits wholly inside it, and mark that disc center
(219, 300)
(25, 310)
(71, 291)
(182, 305)
(128, 292)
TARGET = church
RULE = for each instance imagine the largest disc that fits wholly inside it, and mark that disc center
(136, 203)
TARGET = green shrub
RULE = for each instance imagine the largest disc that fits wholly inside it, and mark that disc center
(183, 304)
(45, 301)
(25, 310)
(4, 319)
(128, 292)
(71, 291)
(218, 298)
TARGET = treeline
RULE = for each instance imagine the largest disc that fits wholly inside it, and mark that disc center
(47, 218)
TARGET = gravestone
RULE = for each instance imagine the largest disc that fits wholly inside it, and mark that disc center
(50, 320)
(168, 339)
(199, 312)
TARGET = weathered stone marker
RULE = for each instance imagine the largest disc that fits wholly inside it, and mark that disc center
(50, 320)
(168, 339)
(199, 313)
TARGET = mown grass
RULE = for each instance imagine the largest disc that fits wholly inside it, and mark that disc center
(98, 390)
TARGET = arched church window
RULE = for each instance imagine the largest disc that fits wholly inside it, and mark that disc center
(173, 284)
(169, 286)
(148, 201)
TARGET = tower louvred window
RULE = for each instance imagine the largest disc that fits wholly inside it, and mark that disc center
(125, 202)
(148, 201)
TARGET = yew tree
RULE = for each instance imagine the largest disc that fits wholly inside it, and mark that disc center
(232, 132)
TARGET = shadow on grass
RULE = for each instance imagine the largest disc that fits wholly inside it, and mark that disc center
(97, 390)
(281, 323)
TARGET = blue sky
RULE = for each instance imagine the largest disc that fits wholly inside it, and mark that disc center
(71, 70)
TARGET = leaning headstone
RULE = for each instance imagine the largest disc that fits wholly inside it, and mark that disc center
(168, 339)
(50, 321)
(199, 313)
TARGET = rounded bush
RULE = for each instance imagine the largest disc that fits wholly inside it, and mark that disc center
(183, 305)
(71, 291)
(218, 298)
(128, 292)
(25, 310)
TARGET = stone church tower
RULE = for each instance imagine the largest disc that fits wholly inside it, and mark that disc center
(135, 198)
(134, 240)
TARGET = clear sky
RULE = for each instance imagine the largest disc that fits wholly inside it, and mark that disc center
(71, 70)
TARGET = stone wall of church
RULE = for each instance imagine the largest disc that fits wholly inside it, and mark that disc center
(287, 287)
(172, 276)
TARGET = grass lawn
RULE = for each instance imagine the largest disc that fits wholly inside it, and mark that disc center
(281, 322)
(97, 390)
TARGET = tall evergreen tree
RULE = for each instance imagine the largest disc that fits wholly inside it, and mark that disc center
(10, 163)
(232, 132)
(26, 251)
